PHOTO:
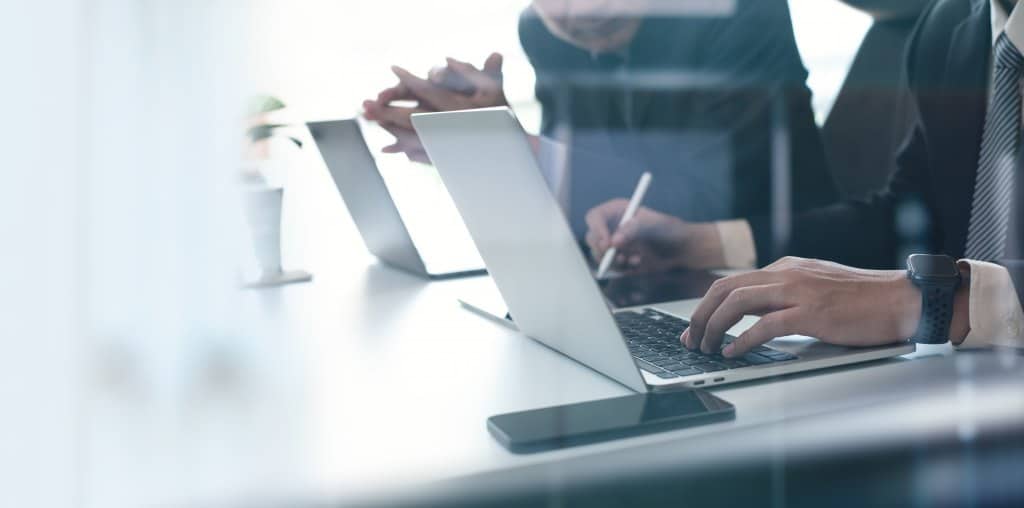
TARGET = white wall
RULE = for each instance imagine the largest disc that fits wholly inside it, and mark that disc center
(828, 33)
(39, 285)
(120, 135)
(324, 57)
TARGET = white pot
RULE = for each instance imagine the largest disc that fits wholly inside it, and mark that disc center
(263, 211)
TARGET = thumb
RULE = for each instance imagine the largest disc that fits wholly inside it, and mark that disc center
(493, 64)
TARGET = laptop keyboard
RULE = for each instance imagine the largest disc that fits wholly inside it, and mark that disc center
(653, 339)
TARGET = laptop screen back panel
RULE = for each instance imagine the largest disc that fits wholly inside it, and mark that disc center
(365, 194)
(487, 165)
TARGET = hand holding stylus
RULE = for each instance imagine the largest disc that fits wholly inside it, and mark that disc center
(651, 241)
(631, 208)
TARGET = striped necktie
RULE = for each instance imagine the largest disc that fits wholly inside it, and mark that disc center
(993, 189)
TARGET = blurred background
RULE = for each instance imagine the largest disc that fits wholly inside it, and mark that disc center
(293, 43)
(134, 372)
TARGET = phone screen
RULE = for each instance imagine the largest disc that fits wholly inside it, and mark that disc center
(560, 426)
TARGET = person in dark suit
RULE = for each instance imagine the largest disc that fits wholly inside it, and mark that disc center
(707, 144)
(961, 163)
(624, 90)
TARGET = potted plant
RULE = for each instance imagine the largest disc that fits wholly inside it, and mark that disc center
(264, 193)
(262, 130)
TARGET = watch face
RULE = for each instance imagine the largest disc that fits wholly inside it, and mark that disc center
(924, 265)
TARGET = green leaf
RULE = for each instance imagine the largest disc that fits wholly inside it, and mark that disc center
(264, 104)
(261, 132)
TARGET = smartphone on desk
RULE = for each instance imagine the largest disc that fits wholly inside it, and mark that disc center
(602, 420)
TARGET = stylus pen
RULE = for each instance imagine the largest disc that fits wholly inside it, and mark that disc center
(631, 208)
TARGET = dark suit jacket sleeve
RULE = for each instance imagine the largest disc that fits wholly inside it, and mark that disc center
(856, 232)
(763, 69)
(859, 233)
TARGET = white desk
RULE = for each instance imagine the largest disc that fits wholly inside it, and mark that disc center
(364, 381)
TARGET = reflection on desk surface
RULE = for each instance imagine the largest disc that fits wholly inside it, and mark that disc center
(648, 289)
(950, 434)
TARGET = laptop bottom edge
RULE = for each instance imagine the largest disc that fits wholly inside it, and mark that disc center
(851, 356)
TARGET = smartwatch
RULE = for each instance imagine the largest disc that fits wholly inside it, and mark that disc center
(938, 279)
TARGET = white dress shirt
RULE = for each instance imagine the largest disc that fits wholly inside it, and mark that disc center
(996, 315)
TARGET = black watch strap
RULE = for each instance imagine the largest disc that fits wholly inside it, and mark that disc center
(936, 315)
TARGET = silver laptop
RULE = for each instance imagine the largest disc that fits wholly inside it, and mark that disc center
(443, 248)
(487, 165)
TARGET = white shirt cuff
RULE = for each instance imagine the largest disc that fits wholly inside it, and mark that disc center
(996, 316)
(737, 244)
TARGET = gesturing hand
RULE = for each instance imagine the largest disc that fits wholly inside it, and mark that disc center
(834, 303)
(463, 86)
(455, 87)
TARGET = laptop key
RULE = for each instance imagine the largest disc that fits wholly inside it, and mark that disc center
(653, 339)
(756, 359)
(648, 366)
(686, 372)
(708, 367)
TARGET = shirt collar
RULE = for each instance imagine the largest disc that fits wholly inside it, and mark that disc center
(1012, 23)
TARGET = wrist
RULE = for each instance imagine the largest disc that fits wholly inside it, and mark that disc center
(960, 326)
(702, 246)
(907, 303)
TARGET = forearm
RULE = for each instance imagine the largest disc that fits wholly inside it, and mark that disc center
(716, 245)
(705, 247)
